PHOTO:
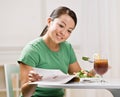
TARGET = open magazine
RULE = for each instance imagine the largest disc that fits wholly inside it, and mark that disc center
(54, 76)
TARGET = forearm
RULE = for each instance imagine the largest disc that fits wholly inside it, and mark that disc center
(28, 89)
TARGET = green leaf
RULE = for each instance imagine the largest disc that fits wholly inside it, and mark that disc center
(85, 58)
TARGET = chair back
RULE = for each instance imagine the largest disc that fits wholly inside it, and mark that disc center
(9, 70)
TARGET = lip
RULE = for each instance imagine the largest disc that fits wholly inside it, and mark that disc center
(59, 36)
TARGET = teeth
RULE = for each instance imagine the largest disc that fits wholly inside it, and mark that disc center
(59, 37)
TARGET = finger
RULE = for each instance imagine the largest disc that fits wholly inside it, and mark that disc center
(34, 78)
(38, 77)
(30, 75)
(32, 72)
(31, 79)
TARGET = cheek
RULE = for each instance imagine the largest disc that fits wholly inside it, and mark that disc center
(54, 28)
(58, 28)
(67, 35)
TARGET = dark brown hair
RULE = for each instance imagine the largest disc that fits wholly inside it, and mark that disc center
(57, 13)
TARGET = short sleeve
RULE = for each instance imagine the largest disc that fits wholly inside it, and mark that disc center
(29, 56)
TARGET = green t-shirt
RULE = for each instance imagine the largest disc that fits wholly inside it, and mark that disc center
(37, 54)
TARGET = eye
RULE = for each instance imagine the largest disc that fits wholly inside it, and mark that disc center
(69, 31)
(61, 25)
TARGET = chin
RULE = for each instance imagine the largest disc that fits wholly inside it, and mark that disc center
(59, 41)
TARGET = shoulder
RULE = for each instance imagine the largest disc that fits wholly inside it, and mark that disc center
(32, 45)
(35, 43)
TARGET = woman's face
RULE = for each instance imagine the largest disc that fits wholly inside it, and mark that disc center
(60, 28)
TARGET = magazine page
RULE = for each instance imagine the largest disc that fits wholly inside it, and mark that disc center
(52, 76)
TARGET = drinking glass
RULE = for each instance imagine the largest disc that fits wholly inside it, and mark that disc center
(101, 67)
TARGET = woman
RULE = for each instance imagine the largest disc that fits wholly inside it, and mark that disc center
(51, 51)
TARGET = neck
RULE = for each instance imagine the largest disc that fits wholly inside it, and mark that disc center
(51, 44)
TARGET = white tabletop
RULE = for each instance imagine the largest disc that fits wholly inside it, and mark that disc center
(112, 85)
(84, 84)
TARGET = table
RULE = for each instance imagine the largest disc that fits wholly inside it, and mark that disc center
(111, 85)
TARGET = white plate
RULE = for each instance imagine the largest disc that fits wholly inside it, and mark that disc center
(92, 80)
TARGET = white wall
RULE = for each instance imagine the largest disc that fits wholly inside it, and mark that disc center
(97, 31)
(20, 22)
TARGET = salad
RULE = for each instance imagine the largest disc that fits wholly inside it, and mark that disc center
(85, 74)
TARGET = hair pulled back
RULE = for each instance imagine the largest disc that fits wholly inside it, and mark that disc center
(57, 13)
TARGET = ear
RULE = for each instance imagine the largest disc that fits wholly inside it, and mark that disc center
(49, 20)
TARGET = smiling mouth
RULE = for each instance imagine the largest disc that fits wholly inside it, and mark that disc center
(59, 37)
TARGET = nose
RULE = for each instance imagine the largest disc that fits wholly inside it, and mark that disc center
(63, 32)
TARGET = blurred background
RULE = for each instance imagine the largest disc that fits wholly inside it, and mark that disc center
(97, 31)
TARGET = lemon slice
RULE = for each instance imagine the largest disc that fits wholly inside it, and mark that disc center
(96, 56)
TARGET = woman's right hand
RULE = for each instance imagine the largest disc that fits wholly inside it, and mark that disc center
(27, 74)
(33, 76)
